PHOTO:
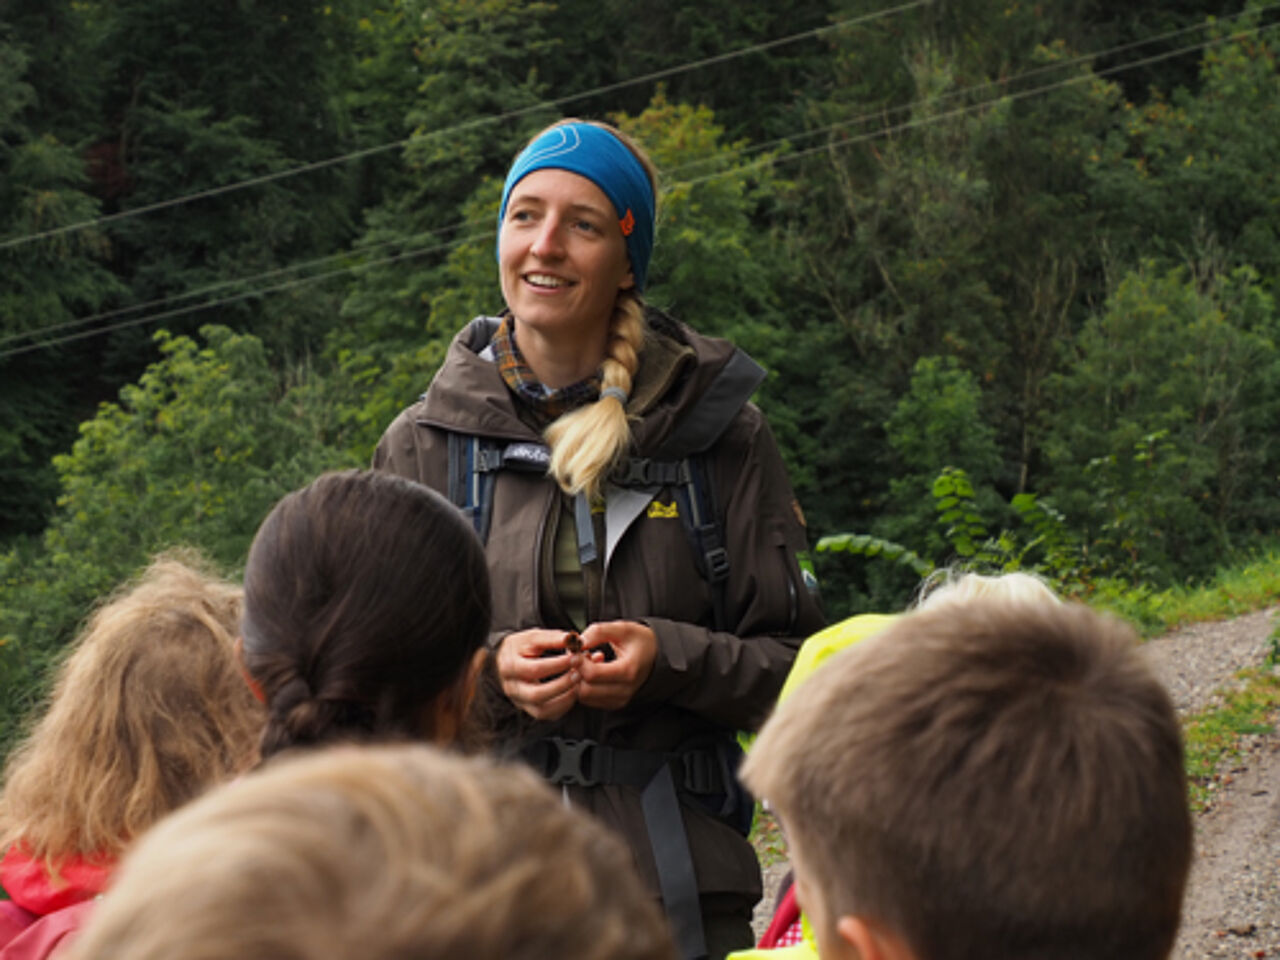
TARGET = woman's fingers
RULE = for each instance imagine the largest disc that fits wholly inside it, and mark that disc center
(609, 684)
(542, 685)
(546, 701)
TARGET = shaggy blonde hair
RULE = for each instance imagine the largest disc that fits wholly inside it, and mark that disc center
(375, 853)
(148, 709)
(589, 441)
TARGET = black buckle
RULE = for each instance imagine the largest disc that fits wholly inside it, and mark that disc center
(643, 472)
(488, 459)
(569, 767)
(701, 769)
(717, 564)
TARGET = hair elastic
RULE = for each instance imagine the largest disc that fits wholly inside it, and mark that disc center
(616, 392)
(602, 158)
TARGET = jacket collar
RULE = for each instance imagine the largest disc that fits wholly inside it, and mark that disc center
(29, 885)
(677, 366)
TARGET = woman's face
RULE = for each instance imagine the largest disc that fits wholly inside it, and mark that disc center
(562, 257)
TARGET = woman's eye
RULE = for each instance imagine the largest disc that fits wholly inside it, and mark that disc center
(520, 216)
(586, 225)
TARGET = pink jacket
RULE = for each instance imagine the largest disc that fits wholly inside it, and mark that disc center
(41, 913)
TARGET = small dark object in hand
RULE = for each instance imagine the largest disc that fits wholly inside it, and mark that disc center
(573, 644)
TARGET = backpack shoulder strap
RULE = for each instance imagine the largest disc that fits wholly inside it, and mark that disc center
(702, 524)
(474, 463)
(680, 463)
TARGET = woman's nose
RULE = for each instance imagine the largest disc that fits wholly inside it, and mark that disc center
(548, 244)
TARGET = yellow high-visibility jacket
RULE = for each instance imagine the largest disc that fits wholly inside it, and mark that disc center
(812, 654)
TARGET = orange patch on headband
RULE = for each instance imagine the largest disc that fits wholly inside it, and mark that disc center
(627, 223)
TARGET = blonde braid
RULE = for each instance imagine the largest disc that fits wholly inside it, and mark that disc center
(588, 442)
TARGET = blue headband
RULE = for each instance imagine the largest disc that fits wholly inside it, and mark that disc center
(602, 158)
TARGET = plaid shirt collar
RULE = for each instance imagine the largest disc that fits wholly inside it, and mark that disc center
(524, 383)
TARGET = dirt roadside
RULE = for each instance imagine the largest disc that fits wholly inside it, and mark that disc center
(1232, 906)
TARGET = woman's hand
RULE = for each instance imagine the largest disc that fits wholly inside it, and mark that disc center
(610, 685)
(523, 672)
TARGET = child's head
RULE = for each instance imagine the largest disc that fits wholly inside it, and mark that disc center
(995, 779)
(375, 853)
(366, 608)
(148, 710)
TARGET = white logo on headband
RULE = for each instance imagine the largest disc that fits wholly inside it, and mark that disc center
(556, 149)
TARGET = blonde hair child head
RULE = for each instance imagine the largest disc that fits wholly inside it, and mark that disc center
(375, 853)
(148, 710)
(949, 587)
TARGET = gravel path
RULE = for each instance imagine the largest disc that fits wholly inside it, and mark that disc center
(1232, 908)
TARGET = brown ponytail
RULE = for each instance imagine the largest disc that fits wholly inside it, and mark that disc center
(366, 598)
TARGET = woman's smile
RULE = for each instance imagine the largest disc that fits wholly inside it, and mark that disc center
(546, 281)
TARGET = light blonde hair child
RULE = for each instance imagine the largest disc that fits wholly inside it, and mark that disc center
(374, 853)
(946, 587)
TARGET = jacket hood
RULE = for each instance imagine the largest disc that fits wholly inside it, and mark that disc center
(677, 369)
(29, 885)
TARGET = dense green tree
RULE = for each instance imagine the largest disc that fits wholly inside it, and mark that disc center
(937, 423)
(473, 57)
(755, 95)
(196, 453)
(61, 41)
(967, 189)
(1191, 168)
(1166, 423)
(202, 98)
(47, 283)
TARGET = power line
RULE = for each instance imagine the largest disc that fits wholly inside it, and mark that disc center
(961, 111)
(467, 125)
(794, 155)
(236, 298)
(233, 282)
(727, 155)
(964, 91)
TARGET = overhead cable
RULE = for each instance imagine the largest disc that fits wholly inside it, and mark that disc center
(738, 170)
(728, 154)
(472, 124)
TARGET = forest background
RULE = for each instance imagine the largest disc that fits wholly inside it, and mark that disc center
(1012, 266)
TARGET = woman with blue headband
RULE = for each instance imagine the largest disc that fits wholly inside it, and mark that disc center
(642, 536)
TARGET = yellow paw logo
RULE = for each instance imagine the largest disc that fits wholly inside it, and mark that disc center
(663, 511)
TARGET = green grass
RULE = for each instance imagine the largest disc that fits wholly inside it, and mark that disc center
(1231, 592)
(1213, 737)
(766, 837)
